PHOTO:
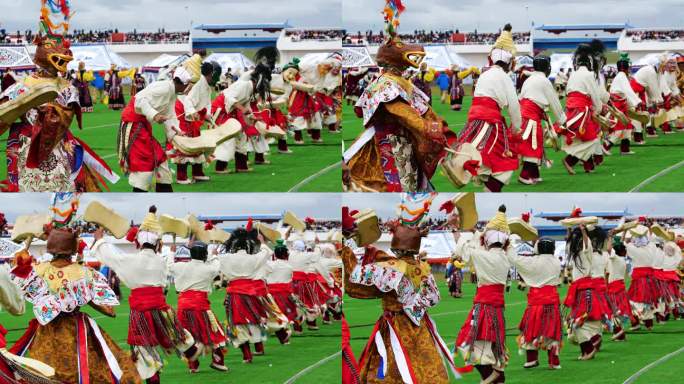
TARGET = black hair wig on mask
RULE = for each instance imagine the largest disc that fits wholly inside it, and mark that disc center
(243, 240)
(546, 246)
(199, 251)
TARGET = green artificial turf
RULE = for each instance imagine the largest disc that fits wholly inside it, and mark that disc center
(279, 364)
(617, 174)
(284, 172)
(616, 362)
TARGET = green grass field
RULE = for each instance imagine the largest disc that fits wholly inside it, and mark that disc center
(617, 174)
(283, 174)
(278, 365)
(613, 365)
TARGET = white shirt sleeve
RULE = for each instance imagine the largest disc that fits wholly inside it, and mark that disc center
(10, 296)
(513, 106)
(144, 106)
(554, 103)
(109, 255)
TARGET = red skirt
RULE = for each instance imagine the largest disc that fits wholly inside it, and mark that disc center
(620, 103)
(643, 289)
(542, 318)
(585, 301)
(531, 114)
(153, 322)
(282, 294)
(580, 122)
(194, 313)
(245, 302)
(497, 146)
(485, 321)
(311, 291)
(618, 300)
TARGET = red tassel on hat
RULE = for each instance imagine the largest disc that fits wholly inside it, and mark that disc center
(526, 217)
(209, 225)
(249, 225)
(309, 220)
(81, 246)
(347, 218)
(132, 234)
(577, 212)
(448, 207)
(642, 219)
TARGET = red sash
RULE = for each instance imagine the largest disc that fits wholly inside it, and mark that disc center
(600, 284)
(247, 287)
(530, 110)
(486, 109)
(147, 298)
(579, 100)
(128, 115)
(577, 285)
(659, 274)
(305, 276)
(641, 272)
(280, 288)
(491, 294)
(671, 276)
(194, 300)
(640, 90)
(616, 286)
(545, 295)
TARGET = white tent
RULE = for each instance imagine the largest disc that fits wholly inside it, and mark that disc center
(560, 61)
(237, 62)
(164, 60)
(16, 58)
(96, 58)
(437, 57)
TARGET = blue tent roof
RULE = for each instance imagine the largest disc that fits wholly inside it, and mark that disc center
(582, 27)
(219, 218)
(545, 215)
(242, 27)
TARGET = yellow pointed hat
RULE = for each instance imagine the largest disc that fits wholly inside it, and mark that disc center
(151, 224)
(194, 66)
(499, 221)
(505, 41)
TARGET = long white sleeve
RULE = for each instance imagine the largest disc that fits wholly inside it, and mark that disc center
(620, 86)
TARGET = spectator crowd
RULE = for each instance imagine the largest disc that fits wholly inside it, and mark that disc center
(656, 35)
(81, 36)
(315, 35)
(435, 37)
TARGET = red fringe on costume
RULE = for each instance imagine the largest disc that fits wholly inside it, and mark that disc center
(485, 321)
(618, 300)
(153, 322)
(586, 302)
(642, 289)
(283, 295)
(620, 103)
(194, 312)
(585, 128)
(244, 304)
(541, 322)
(311, 289)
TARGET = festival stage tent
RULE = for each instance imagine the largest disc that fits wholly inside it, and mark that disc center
(437, 57)
(357, 57)
(16, 59)
(164, 60)
(237, 62)
(96, 58)
(560, 61)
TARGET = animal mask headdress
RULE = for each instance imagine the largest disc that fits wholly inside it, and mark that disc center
(53, 50)
(394, 54)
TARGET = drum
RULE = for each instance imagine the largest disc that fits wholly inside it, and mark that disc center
(105, 217)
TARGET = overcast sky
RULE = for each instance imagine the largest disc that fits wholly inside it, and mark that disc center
(490, 15)
(149, 15)
(134, 206)
(655, 204)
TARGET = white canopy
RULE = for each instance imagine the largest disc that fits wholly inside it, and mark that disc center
(355, 57)
(164, 60)
(237, 62)
(96, 58)
(437, 57)
(15, 58)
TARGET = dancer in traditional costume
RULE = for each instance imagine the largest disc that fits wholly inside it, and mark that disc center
(541, 324)
(671, 93)
(455, 277)
(586, 304)
(642, 293)
(62, 335)
(192, 110)
(236, 102)
(423, 80)
(194, 279)
(486, 127)
(352, 92)
(536, 97)
(82, 83)
(153, 323)
(138, 85)
(617, 293)
(141, 156)
(42, 153)
(327, 95)
(482, 338)
(583, 105)
(248, 307)
(404, 346)
(310, 285)
(331, 262)
(280, 286)
(304, 111)
(623, 98)
(15, 369)
(646, 84)
(114, 86)
(404, 140)
(456, 91)
(674, 299)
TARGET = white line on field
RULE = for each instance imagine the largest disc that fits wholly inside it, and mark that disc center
(656, 176)
(311, 368)
(468, 310)
(100, 126)
(315, 175)
(108, 156)
(643, 370)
